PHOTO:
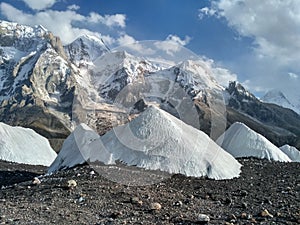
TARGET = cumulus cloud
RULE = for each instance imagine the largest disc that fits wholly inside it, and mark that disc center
(126, 39)
(73, 7)
(117, 20)
(61, 23)
(223, 76)
(293, 76)
(39, 4)
(206, 12)
(172, 44)
(274, 27)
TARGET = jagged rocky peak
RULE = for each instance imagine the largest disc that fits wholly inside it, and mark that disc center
(20, 36)
(195, 77)
(237, 91)
(85, 49)
(36, 81)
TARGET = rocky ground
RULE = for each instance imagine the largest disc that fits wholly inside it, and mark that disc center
(266, 193)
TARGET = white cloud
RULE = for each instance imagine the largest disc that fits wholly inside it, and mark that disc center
(206, 12)
(39, 4)
(126, 40)
(223, 76)
(293, 76)
(117, 20)
(61, 23)
(178, 40)
(274, 27)
(73, 7)
(172, 44)
(129, 44)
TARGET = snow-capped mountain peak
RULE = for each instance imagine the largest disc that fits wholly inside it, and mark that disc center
(85, 49)
(195, 75)
(278, 97)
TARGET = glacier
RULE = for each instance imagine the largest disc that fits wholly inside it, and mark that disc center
(291, 152)
(154, 140)
(23, 145)
(241, 141)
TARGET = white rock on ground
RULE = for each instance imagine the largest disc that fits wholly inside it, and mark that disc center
(291, 152)
(24, 145)
(154, 140)
(241, 141)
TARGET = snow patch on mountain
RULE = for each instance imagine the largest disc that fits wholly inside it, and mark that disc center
(23, 145)
(291, 152)
(85, 50)
(278, 98)
(154, 140)
(241, 141)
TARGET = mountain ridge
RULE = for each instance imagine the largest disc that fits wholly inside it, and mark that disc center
(49, 87)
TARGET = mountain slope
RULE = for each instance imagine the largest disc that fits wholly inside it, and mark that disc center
(278, 98)
(48, 87)
(279, 125)
(37, 83)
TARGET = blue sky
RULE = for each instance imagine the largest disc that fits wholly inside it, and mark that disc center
(258, 41)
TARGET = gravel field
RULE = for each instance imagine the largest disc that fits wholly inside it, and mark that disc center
(265, 193)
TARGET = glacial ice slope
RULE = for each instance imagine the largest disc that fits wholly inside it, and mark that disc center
(82, 145)
(157, 140)
(23, 145)
(291, 152)
(154, 140)
(240, 141)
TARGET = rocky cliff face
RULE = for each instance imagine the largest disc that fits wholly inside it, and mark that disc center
(37, 82)
(278, 124)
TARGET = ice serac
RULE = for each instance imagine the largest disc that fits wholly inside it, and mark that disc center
(291, 152)
(154, 140)
(82, 145)
(240, 141)
(23, 145)
(157, 140)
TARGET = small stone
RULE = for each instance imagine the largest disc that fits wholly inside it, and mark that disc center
(116, 214)
(244, 205)
(136, 200)
(265, 213)
(92, 172)
(244, 216)
(178, 203)
(232, 217)
(81, 199)
(228, 201)
(71, 184)
(244, 193)
(155, 206)
(36, 181)
(203, 218)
